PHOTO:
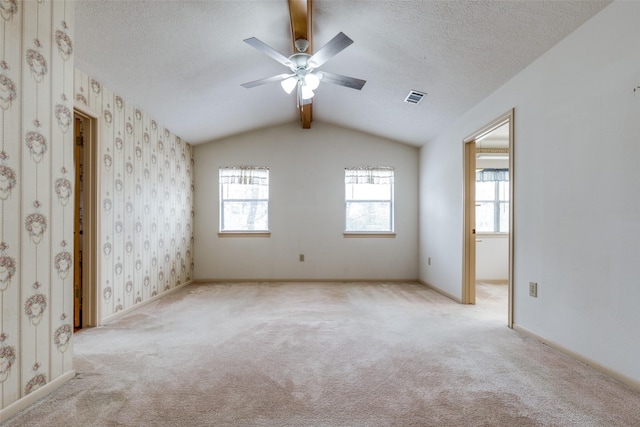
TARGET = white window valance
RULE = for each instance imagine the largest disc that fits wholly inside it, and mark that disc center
(369, 175)
(248, 175)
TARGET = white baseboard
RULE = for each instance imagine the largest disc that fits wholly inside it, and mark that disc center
(440, 291)
(607, 371)
(205, 281)
(134, 307)
(33, 397)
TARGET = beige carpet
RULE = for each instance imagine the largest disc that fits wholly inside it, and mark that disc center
(325, 354)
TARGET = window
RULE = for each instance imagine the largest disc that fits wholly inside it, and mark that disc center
(244, 199)
(369, 199)
(492, 201)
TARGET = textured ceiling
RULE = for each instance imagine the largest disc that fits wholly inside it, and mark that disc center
(183, 61)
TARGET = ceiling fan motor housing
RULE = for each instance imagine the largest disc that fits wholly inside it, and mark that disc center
(299, 61)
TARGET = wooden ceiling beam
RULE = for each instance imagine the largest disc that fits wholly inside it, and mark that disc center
(301, 26)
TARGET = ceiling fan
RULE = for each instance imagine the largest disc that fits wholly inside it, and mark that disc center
(305, 76)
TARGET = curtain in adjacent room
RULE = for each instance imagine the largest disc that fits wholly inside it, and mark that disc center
(485, 175)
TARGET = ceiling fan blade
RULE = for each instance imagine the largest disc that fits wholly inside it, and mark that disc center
(268, 50)
(266, 80)
(329, 50)
(339, 79)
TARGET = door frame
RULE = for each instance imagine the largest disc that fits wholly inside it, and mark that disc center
(91, 214)
(469, 232)
(469, 257)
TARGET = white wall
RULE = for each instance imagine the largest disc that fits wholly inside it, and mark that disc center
(576, 177)
(306, 207)
(492, 256)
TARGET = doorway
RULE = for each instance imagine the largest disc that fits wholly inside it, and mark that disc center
(85, 307)
(488, 213)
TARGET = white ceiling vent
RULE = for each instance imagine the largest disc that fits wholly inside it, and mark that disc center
(414, 97)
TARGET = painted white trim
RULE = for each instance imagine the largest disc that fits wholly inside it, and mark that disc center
(127, 310)
(33, 397)
(607, 371)
(215, 281)
(85, 109)
(244, 234)
(370, 234)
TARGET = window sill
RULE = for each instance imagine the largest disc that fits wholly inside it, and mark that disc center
(244, 234)
(365, 234)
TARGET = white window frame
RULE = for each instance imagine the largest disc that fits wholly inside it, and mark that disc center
(369, 175)
(247, 175)
(496, 202)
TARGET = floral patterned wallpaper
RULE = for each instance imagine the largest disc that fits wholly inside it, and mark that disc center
(36, 175)
(146, 201)
(146, 197)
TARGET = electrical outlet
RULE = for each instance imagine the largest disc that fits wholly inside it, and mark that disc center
(533, 289)
(429, 261)
(301, 257)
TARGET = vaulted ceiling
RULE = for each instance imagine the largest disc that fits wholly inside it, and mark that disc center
(183, 61)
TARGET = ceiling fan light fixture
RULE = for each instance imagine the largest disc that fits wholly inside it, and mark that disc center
(307, 92)
(289, 84)
(312, 81)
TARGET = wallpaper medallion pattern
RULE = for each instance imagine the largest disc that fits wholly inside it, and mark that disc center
(36, 166)
(145, 173)
(146, 193)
